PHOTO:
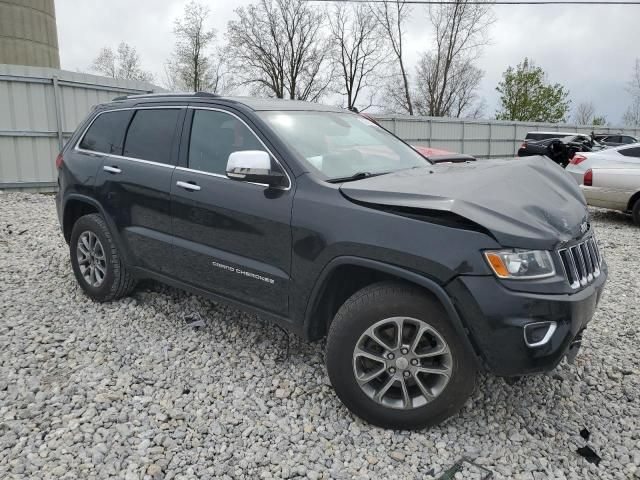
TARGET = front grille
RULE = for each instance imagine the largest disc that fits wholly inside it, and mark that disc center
(581, 262)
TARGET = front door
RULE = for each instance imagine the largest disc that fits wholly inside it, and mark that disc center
(232, 238)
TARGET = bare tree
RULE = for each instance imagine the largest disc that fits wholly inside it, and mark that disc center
(391, 16)
(358, 51)
(584, 113)
(632, 115)
(459, 97)
(278, 49)
(447, 76)
(124, 63)
(193, 66)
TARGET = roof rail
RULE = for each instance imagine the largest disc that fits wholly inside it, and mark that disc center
(175, 94)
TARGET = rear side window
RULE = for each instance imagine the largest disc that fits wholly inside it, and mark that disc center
(214, 136)
(150, 135)
(631, 152)
(106, 133)
(626, 139)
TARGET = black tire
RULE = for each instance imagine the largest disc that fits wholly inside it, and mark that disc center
(373, 304)
(635, 212)
(117, 281)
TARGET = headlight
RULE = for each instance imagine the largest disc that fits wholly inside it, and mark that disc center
(521, 264)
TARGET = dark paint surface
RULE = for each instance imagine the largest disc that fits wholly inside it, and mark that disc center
(524, 203)
(270, 250)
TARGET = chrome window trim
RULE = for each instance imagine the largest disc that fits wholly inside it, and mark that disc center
(187, 169)
(77, 148)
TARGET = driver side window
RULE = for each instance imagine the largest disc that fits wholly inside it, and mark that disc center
(214, 136)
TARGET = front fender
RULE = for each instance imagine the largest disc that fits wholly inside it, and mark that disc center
(395, 271)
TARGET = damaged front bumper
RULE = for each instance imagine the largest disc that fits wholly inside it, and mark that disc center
(518, 333)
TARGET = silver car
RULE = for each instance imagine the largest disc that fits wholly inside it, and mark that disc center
(627, 155)
(615, 187)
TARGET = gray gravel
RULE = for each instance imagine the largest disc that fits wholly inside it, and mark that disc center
(128, 390)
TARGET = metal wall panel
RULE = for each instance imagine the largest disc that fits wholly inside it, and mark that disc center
(481, 138)
(39, 107)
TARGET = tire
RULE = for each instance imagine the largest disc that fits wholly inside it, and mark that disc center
(410, 307)
(116, 281)
(635, 212)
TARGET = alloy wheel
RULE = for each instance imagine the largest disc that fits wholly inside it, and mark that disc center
(402, 363)
(91, 259)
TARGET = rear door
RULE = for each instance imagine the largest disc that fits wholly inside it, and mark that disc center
(232, 238)
(134, 186)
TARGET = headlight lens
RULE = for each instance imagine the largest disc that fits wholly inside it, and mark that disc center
(521, 264)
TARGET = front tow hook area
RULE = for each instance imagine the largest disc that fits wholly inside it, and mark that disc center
(574, 348)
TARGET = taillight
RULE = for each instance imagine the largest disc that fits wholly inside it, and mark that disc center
(524, 144)
(59, 161)
(588, 178)
(577, 159)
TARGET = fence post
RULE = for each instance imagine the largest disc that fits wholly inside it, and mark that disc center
(464, 136)
(490, 139)
(515, 138)
(430, 131)
(56, 99)
(394, 126)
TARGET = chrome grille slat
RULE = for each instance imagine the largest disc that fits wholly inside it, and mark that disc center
(581, 262)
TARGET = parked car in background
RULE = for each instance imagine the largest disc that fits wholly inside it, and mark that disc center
(437, 155)
(614, 140)
(625, 156)
(616, 187)
(560, 150)
(536, 136)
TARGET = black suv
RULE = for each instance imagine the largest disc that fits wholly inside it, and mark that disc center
(419, 275)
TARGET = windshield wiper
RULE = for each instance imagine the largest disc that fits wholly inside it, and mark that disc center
(355, 176)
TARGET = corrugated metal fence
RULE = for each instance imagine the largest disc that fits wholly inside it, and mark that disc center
(39, 110)
(480, 138)
(41, 107)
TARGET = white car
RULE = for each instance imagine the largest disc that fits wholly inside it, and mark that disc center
(615, 187)
(626, 155)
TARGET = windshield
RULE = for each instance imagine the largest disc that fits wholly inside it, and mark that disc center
(340, 145)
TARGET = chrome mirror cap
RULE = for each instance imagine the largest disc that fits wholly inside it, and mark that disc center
(253, 166)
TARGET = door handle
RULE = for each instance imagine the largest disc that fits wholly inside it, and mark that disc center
(111, 169)
(188, 186)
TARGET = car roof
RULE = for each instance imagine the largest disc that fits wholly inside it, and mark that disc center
(563, 134)
(253, 103)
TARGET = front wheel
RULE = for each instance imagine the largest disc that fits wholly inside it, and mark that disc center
(395, 360)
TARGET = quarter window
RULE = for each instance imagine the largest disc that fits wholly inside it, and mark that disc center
(106, 133)
(631, 152)
(150, 135)
(214, 136)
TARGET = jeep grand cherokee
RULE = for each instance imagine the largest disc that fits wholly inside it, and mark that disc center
(419, 275)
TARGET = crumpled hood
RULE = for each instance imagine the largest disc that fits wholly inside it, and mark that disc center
(524, 203)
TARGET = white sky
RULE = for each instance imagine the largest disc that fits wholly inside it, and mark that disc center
(589, 49)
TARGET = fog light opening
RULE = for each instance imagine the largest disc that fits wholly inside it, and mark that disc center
(539, 333)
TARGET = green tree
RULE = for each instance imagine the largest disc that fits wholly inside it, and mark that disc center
(599, 121)
(525, 95)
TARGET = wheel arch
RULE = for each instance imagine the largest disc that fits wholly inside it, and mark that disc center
(632, 201)
(75, 206)
(326, 296)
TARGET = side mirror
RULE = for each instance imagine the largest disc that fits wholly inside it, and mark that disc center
(253, 166)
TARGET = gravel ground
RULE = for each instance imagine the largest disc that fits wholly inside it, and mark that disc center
(128, 390)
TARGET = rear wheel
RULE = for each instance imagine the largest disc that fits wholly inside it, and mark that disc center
(96, 261)
(636, 212)
(395, 360)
